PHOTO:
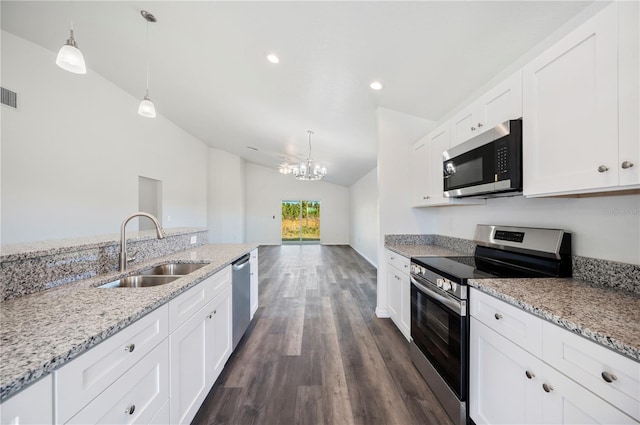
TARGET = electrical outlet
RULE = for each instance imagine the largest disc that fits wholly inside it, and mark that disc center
(194, 239)
(168, 218)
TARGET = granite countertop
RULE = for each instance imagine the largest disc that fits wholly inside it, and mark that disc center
(408, 250)
(42, 331)
(608, 317)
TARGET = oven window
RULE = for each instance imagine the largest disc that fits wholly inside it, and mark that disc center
(441, 336)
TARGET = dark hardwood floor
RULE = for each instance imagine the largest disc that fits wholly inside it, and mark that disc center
(316, 353)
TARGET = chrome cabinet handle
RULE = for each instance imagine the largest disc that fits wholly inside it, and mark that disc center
(609, 377)
(210, 316)
(129, 348)
(603, 168)
(473, 128)
(479, 125)
(425, 197)
(547, 388)
(530, 375)
(626, 164)
(498, 316)
(130, 409)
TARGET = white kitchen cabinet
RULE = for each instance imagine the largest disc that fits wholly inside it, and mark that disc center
(199, 349)
(399, 292)
(80, 381)
(571, 139)
(32, 405)
(504, 384)
(136, 397)
(502, 103)
(254, 282)
(426, 170)
(557, 385)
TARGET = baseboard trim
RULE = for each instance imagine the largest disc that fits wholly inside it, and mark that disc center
(364, 256)
(382, 313)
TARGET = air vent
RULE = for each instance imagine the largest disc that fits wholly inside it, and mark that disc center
(9, 97)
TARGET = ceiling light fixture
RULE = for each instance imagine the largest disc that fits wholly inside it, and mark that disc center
(376, 85)
(285, 169)
(308, 170)
(273, 58)
(147, 108)
(70, 57)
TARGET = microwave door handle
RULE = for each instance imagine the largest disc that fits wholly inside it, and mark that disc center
(448, 302)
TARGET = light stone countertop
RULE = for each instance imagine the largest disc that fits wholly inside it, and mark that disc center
(42, 331)
(423, 251)
(608, 317)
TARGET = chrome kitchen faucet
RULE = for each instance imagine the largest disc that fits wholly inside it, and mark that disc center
(123, 239)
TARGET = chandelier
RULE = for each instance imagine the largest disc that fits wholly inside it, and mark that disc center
(306, 170)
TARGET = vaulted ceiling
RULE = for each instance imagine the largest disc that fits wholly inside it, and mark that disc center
(209, 73)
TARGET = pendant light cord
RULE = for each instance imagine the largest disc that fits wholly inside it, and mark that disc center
(147, 55)
(310, 133)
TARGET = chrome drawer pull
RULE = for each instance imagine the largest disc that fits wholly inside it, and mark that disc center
(627, 164)
(609, 377)
(603, 168)
(130, 409)
(129, 348)
(498, 316)
(547, 388)
(530, 375)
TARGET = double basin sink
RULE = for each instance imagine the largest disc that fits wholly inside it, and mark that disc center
(155, 276)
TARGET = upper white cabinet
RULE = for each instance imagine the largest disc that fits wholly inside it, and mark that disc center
(426, 170)
(500, 104)
(33, 405)
(571, 138)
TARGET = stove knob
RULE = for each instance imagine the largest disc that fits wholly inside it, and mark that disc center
(454, 286)
(440, 283)
(446, 284)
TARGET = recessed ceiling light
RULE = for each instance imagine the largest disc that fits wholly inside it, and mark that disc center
(273, 58)
(376, 85)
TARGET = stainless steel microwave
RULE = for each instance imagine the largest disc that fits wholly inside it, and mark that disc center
(487, 165)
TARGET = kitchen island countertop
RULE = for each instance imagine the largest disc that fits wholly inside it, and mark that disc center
(42, 331)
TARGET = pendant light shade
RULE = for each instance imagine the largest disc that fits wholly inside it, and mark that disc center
(146, 108)
(70, 57)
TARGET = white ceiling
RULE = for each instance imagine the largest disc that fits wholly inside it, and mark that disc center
(210, 76)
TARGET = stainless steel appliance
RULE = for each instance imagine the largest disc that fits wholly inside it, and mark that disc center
(439, 294)
(487, 165)
(240, 292)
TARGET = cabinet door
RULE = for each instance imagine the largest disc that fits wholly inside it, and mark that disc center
(500, 104)
(254, 282)
(188, 368)
(570, 111)
(136, 397)
(33, 405)
(464, 125)
(565, 402)
(504, 380)
(405, 306)
(439, 143)
(393, 293)
(218, 335)
(420, 185)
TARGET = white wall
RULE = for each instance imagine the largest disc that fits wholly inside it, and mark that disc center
(226, 197)
(72, 153)
(363, 196)
(267, 188)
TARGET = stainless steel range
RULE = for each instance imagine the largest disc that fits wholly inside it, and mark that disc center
(439, 293)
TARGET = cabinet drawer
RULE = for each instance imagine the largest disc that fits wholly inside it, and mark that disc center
(590, 364)
(218, 282)
(398, 261)
(84, 378)
(136, 397)
(513, 323)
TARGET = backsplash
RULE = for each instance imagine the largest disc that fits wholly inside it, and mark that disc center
(602, 273)
(29, 268)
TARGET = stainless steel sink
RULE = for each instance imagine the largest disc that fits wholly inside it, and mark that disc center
(172, 269)
(139, 281)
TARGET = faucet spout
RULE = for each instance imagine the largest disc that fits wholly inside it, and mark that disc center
(123, 239)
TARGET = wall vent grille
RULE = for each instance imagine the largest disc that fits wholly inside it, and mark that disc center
(9, 97)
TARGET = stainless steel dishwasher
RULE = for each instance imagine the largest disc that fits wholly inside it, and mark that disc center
(241, 284)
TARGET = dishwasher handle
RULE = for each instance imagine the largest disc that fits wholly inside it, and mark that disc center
(242, 262)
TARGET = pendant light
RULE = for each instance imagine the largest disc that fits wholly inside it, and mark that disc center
(146, 108)
(307, 170)
(70, 57)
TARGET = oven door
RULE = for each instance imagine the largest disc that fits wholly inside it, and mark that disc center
(439, 330)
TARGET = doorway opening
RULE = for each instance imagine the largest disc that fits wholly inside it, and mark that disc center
(300, 222)
(149, 201)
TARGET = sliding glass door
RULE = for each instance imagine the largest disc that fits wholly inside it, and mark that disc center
(300, 222)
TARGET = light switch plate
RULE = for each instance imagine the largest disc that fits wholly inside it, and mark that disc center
(194, 239)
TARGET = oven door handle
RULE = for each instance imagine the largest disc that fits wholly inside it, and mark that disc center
(455, 305)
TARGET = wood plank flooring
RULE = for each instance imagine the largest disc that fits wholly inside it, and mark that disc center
(316, 353)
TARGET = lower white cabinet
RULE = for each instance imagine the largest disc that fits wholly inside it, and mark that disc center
(33, 405)
(136, 397)
(254, 282)
(399, 292)
(508, 384)
(199, 350)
